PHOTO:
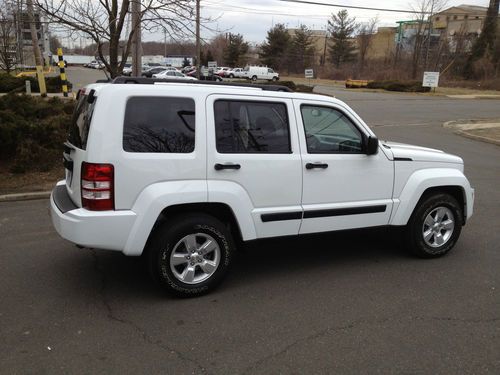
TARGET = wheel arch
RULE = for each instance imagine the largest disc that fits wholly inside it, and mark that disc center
(422, 183)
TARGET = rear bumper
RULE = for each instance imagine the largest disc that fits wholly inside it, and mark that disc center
(97, 229)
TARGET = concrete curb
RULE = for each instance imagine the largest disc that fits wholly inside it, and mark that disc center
(459, 126)
(24, 196)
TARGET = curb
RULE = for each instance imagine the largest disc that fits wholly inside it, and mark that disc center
(455, 125)
(24, 196)
(478, 137)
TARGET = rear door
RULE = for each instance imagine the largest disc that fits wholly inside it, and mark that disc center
(254, 156)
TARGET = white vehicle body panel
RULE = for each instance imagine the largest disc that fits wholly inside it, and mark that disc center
(267, 184)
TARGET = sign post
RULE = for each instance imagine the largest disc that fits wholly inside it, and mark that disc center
(309, 74)
(431, 79)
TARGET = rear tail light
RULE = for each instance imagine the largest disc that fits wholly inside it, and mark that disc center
(97, 186)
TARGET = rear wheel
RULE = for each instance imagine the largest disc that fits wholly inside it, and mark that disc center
(191, 255)
(435, 226)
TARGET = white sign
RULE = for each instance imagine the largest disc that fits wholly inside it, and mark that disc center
(309, 73)
(204, 71)
(212, 64)
(431, 79)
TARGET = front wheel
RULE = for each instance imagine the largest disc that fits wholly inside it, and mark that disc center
(434, 226)
(275, 79)
(190, 255)
(254, 78)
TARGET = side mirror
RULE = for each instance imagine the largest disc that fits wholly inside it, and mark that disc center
(371, 145)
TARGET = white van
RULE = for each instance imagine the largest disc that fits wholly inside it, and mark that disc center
(260, 72)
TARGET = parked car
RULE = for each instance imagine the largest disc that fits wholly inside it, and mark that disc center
(172, 74)
(259, 72)
(182, 173)
(154, 70)
(128, 70)
(96, 65)
(221, 71)
(236, 73)
(209, 77)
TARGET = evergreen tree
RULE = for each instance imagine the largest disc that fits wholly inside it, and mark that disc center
(235, 50)
(341, 28)
(301, 55)
(274, 51)
(487, 41)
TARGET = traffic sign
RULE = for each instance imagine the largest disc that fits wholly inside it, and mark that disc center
(431, 79)
(309, 73)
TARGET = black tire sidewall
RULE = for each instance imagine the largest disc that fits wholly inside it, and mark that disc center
(169, 234)
(417, 243)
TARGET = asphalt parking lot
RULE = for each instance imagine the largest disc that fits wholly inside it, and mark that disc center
(351, 302)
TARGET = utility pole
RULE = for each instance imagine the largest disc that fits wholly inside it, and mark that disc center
(136, 38)
(34, 36)
(36, 48)
(198, 46)
(429, 35)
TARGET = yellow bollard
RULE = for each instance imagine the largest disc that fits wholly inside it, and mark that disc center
(41, 80)
(62, 72)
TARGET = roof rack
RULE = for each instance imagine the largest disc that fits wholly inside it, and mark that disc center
(150, 81)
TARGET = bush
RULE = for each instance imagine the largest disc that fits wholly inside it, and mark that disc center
(403, 86)
(291, 85)
(32, 130)
(9, 83)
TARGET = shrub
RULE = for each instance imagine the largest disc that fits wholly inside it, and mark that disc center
(9, 83)
(32, 130)
(403, 86)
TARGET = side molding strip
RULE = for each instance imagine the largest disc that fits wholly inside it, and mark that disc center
(297, 215)
(344, 211)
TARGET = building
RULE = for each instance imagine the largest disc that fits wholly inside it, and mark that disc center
(319, 42)
(382, 44)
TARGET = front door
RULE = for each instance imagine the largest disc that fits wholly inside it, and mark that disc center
(343, 187)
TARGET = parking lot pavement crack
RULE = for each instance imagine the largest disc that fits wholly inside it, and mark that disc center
(146, 338)
(351, 325)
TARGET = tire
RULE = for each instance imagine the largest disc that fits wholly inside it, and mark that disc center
(254, 78)
(431, 236)
(171, 240)
(275, 79)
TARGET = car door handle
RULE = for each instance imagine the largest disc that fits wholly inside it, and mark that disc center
(316, 165)
(219, 166)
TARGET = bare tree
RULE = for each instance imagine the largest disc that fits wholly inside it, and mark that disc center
(365, 37)
(423, 10)
(7, 39)
(105, 22)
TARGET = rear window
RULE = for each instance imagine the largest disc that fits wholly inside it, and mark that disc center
(80, 122)
(159, 124)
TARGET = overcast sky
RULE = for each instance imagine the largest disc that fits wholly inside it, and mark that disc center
(253, 18)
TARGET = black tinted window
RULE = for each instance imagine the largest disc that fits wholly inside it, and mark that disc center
(251, 127)
(80, 122)
(330, 131)
(159, 124)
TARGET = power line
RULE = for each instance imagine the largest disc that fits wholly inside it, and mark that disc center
(351, 6)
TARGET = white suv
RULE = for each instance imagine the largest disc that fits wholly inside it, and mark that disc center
(182, 171)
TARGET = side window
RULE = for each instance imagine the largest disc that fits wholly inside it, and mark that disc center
(270, 70)
(159, 124)
(251, 127)
(329, 131)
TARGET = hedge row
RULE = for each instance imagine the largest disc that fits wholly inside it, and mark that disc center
(10, 83)
(32, 130)
(403, 86)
